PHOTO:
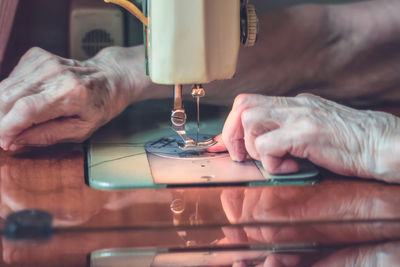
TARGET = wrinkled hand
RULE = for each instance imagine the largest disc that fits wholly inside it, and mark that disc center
(344, 140)
(48, 99)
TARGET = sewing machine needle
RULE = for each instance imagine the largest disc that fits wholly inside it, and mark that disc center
(198, 118)
(197, 92)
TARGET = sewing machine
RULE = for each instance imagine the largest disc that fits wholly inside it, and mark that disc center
(187, 42)
(193, 42)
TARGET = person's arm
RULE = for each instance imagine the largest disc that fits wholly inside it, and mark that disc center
(275, 130)
(341, 52)
(335, 51)
(7, 13)
(48, 99)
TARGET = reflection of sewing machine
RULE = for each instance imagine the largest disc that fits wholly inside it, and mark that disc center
(193, 42)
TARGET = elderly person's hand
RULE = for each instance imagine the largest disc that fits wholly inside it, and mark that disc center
(48, 99)
(344, 140)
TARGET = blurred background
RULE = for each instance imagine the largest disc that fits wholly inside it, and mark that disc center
(69, 28)
(79, 28)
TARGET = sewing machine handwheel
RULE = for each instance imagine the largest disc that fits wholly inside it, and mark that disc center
(249, 25)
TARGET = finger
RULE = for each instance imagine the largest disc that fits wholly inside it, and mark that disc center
(52, 132)
(14, 92)
(27, 112)
(7, 86)
(250, 200)
(235, 235)
(219, 146)
(4, 84)
(273, 148)
(232, 202)
(233, 134)
(257, 121)
(16, 88)
(279, 165)
(53, 84)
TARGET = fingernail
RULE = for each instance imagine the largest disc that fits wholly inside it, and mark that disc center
(16, 144)
(13, 147)
(4, 145)
(216, 148)
(239, 157)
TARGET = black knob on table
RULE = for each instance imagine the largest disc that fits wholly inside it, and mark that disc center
(28, 224)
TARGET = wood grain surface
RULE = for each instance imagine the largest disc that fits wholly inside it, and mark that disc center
(337, 210)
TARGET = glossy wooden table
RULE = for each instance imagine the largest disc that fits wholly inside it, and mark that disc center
(342, 219)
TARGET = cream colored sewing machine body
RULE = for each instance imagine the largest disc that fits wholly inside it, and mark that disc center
(193, 42)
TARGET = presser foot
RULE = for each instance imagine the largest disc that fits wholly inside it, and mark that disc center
(178, 120)
(192, 146)
(189, 144)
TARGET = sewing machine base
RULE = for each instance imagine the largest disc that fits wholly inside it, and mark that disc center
(148, 156)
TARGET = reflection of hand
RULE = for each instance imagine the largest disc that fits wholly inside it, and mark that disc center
(341, 139)
(52, 179)
(367, 255)
(330, 201)
(345, 200)
(54, 183)
(48, 99)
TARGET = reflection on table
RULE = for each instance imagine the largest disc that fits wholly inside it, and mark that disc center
(341, 215)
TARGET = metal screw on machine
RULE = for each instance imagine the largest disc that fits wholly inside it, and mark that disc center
(178, 117)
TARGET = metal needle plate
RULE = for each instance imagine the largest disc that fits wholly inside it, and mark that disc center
(171, 147)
